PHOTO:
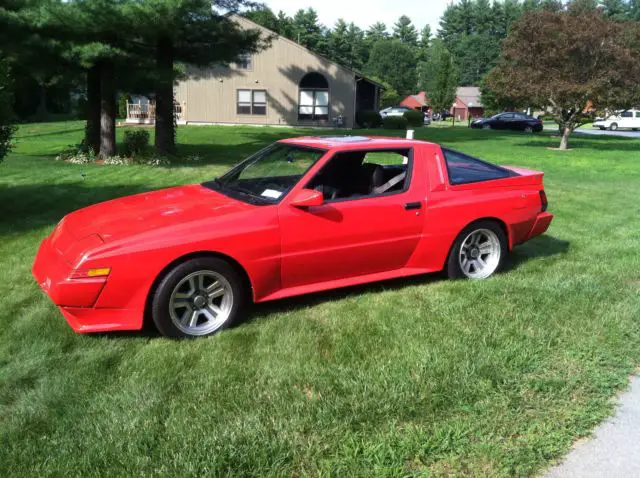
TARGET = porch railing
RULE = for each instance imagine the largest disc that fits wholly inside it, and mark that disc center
(146, 112)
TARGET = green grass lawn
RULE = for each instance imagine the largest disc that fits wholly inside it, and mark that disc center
(411, 377)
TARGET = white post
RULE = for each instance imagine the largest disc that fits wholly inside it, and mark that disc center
(410, 134)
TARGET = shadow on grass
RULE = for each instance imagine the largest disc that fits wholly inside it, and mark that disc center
(37, 134)
(541, 246)
(598, 143)
(38, 205)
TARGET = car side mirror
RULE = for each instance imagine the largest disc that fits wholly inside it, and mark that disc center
(307, 198)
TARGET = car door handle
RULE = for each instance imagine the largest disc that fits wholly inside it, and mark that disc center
(412, 205)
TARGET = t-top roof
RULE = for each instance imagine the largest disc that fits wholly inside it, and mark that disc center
(330, 142)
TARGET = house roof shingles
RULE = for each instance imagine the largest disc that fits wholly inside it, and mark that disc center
(416, 101)
(470, 96)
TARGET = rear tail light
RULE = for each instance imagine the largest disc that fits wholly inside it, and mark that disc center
(543, 200)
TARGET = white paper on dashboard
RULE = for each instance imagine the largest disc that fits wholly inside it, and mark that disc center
(271, 193)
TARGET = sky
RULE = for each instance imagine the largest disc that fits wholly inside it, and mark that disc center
(366, 12)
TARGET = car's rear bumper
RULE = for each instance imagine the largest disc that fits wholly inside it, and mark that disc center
(540, 225)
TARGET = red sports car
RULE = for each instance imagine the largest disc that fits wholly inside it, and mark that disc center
(300, 216)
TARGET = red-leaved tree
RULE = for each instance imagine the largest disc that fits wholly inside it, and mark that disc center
(573, 61)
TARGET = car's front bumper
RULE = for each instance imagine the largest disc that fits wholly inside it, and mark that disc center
(75, 297)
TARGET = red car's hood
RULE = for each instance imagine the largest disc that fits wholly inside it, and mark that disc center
(131, 215)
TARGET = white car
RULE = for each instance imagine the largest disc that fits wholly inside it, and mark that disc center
(400, 111)
(394, 111)
(622, 119)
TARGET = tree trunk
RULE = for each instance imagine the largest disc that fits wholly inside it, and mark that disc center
(107, 110)
(564, 142)
(92, 130)
(165, 141)
(41, 111)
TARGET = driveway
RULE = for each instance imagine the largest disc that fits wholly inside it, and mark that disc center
(614, 451)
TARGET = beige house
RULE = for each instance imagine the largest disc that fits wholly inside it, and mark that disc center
(287, 84)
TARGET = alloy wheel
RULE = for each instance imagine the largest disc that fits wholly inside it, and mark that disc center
(479, 255)
(201, 303)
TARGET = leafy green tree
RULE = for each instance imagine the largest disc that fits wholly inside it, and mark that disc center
(439, 76)
(394, 62)
(405, 31)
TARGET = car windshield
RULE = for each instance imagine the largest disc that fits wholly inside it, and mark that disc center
(268, 175)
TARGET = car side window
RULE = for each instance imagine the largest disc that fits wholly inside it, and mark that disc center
(627, 114)
(637, 114)
(507, 116)
(364, 173)
(465, 169)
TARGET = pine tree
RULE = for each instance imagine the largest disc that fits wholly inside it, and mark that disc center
(404, 31)
(309, 32)
(188, 31)
(425, 37)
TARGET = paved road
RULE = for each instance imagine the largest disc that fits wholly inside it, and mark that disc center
(614, 452)
(594, 131)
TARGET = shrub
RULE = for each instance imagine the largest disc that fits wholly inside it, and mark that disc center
(77, 155)
(6, 133)
(135, 142)
(7, 128)
(368, 119)
(415, 118)
(395, 122)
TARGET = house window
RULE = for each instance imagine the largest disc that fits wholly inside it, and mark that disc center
(245, 62)
(313, 100)
(252, 102)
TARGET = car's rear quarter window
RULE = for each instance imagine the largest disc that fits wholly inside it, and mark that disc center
(464, 169)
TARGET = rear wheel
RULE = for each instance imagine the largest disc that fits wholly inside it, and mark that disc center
(486, 126)
(197, 298)
(613, 127)
(528, 129)
(478, 251)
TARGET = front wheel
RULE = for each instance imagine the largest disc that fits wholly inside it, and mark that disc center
(197, 298)
(528, 129)
(613, 127)
(478, 251)
(486, 126)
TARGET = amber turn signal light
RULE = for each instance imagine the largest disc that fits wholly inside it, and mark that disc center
(90, 273)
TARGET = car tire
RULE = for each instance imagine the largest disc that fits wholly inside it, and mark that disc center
(478, 252)
(613, 127)
(486, 126)
(528, 129)
(198, 298)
